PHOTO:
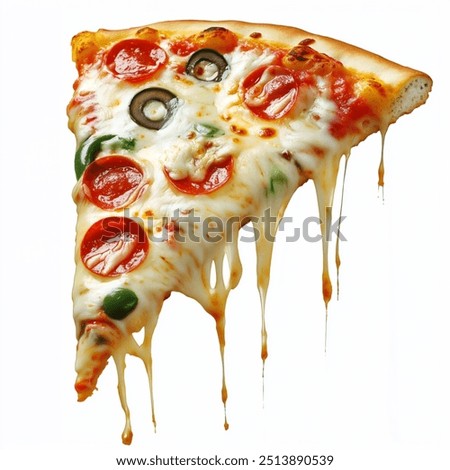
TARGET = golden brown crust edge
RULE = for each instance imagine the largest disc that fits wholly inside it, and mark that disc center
(410, 87)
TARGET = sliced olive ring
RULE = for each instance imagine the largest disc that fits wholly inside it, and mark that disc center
(153, 107)
(207, 65)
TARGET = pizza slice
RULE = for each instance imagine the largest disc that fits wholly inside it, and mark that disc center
(186, 131)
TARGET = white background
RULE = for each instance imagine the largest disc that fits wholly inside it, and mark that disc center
(379, 397)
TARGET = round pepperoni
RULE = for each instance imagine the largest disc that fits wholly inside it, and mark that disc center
(270, 91)
(135, 60)
(114, 246)
(216, 176)
(112, 182)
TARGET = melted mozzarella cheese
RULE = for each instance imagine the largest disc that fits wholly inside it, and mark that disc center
(185, 266)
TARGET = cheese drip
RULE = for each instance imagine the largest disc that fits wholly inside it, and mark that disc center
(214, 297)
(119, 359)
(383, 133)
(144, 352)
(341, 206)
(264, 248)
(325, 185)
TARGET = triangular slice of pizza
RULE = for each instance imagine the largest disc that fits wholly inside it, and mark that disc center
(186, 131)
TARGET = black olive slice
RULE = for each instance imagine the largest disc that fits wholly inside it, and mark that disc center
(153, 107)
(207, 65)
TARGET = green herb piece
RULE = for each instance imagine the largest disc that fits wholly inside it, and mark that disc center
(277, 178)
(125, 144)
(208, 130)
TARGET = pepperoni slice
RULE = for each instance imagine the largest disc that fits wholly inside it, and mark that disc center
(270, 91)
(135, 60)
(114, 246)
(112, 182)
(216, 176)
